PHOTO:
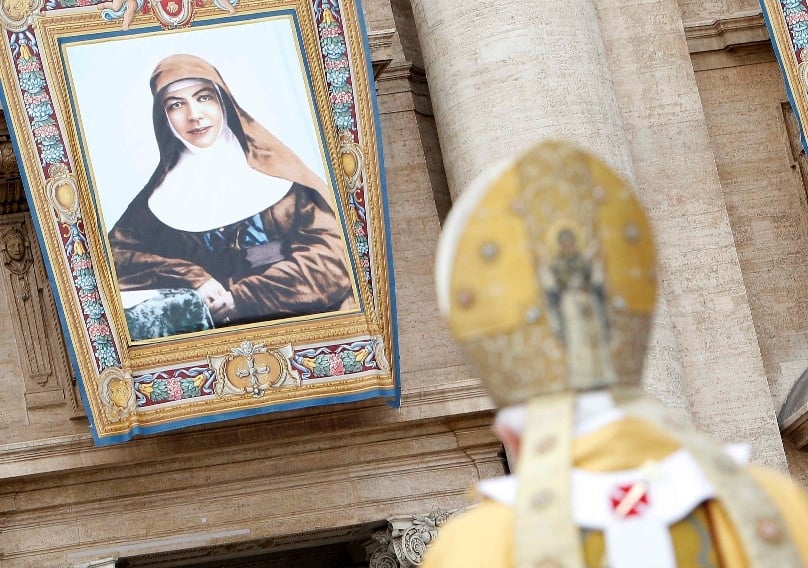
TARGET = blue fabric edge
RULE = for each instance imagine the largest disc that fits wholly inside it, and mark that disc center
(394, 362)
(188, 422)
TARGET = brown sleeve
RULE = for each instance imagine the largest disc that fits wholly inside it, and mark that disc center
(146, 254)
(313, 277)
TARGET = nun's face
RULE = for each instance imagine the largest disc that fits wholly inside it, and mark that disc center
(195, 113)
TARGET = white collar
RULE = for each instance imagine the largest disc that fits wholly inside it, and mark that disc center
(593, 411)
(214, 187)
(674, 487)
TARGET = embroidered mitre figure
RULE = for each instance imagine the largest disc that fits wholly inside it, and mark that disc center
(546, 273)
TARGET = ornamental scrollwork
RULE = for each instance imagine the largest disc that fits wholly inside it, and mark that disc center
(253, 369)
(383, 558)
(117, 393)
(406, 540)
(17, 15)
(62, 192)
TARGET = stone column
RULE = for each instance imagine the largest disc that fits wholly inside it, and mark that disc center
(675, 170)
(615, 77)
(504, 75)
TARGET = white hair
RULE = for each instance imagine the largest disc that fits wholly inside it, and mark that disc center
(513, 418)
(593, 409)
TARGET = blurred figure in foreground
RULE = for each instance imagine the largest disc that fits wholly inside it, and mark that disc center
(546, 274)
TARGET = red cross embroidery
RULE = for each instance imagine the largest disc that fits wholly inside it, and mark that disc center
(629, 500)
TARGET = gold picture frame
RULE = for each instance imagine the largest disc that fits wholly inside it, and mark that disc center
(250, 271)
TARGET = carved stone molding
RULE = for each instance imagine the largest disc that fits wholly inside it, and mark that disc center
(726, 33)
(103, 563)
(280, 550)
(8, 161)
(406, 539)
(740, 39)
(16, 253)
(12, 194)
(273, 468)
(47, 376)
(381, 50)
(55, 454)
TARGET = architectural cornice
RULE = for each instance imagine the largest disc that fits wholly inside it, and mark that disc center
(739, 30)
(312, 477)
(381, 50)
(255, 549)
(76, 452)
(399, 543)
(740, 39)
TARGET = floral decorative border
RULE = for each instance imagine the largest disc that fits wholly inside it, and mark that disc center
(50, 147)
(795, 15)
(174, 384)
(37, 97)
(95, 318)
(337, 360)
(328, 17)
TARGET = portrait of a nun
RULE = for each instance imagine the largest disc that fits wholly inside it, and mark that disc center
(232, 227)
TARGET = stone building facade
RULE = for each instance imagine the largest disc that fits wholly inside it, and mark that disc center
(684, 98)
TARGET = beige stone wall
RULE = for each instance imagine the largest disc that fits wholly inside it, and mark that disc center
(430, 361)
(378, 15)
(240, 482)
(13, 415)
(617, 78)
(706, 10)
(766, 201)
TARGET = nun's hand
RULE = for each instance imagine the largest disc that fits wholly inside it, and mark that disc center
(218, 300)
(222, 308)
(211, 291)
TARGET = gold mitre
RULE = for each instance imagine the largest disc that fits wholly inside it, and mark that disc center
(546, 273)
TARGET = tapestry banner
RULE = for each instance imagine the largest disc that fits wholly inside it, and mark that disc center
(207, 184)
(787, 22)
